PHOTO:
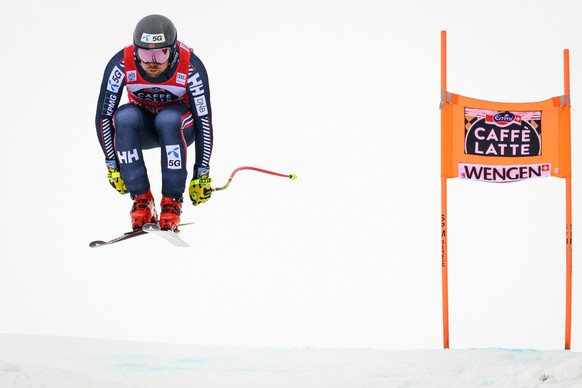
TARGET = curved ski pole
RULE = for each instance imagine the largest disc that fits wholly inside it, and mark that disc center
(290, 176)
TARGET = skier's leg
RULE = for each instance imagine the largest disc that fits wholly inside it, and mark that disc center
(170, 124)
(130, 124)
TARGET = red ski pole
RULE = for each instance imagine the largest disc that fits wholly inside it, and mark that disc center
(290, 176)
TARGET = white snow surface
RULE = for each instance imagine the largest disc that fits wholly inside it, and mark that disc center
(71, 362)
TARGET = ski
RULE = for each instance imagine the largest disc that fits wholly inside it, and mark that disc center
(169, 235)
(134, 233)
(125, 236)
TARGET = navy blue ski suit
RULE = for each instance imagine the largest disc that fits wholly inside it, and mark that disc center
(171, 112)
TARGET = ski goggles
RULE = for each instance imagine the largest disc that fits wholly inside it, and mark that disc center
(153, 56)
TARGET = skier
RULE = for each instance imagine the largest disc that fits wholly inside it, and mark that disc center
(169, 108)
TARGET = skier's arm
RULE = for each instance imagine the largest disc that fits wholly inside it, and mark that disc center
(109, 98)
(199, 96)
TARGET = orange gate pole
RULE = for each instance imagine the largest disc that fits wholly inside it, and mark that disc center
(568, 216)
(444, 264)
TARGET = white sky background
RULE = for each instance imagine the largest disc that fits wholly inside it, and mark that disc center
(345, 95)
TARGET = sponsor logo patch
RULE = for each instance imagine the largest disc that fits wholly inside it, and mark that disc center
(115, 79)
(153, 38)
(109, 104)
(201, 107)
(195, 85)
(181, 78)
(126, 157)
(174, 157)
(131, 76)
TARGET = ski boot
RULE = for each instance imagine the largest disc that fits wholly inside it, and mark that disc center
(170, 215)
(143, 210)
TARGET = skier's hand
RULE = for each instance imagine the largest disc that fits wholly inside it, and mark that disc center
(200, 190)
(115, 177)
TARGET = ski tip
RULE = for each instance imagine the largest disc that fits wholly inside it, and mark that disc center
(97, 244)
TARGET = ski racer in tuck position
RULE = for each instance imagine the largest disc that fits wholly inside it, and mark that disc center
(169, 108)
